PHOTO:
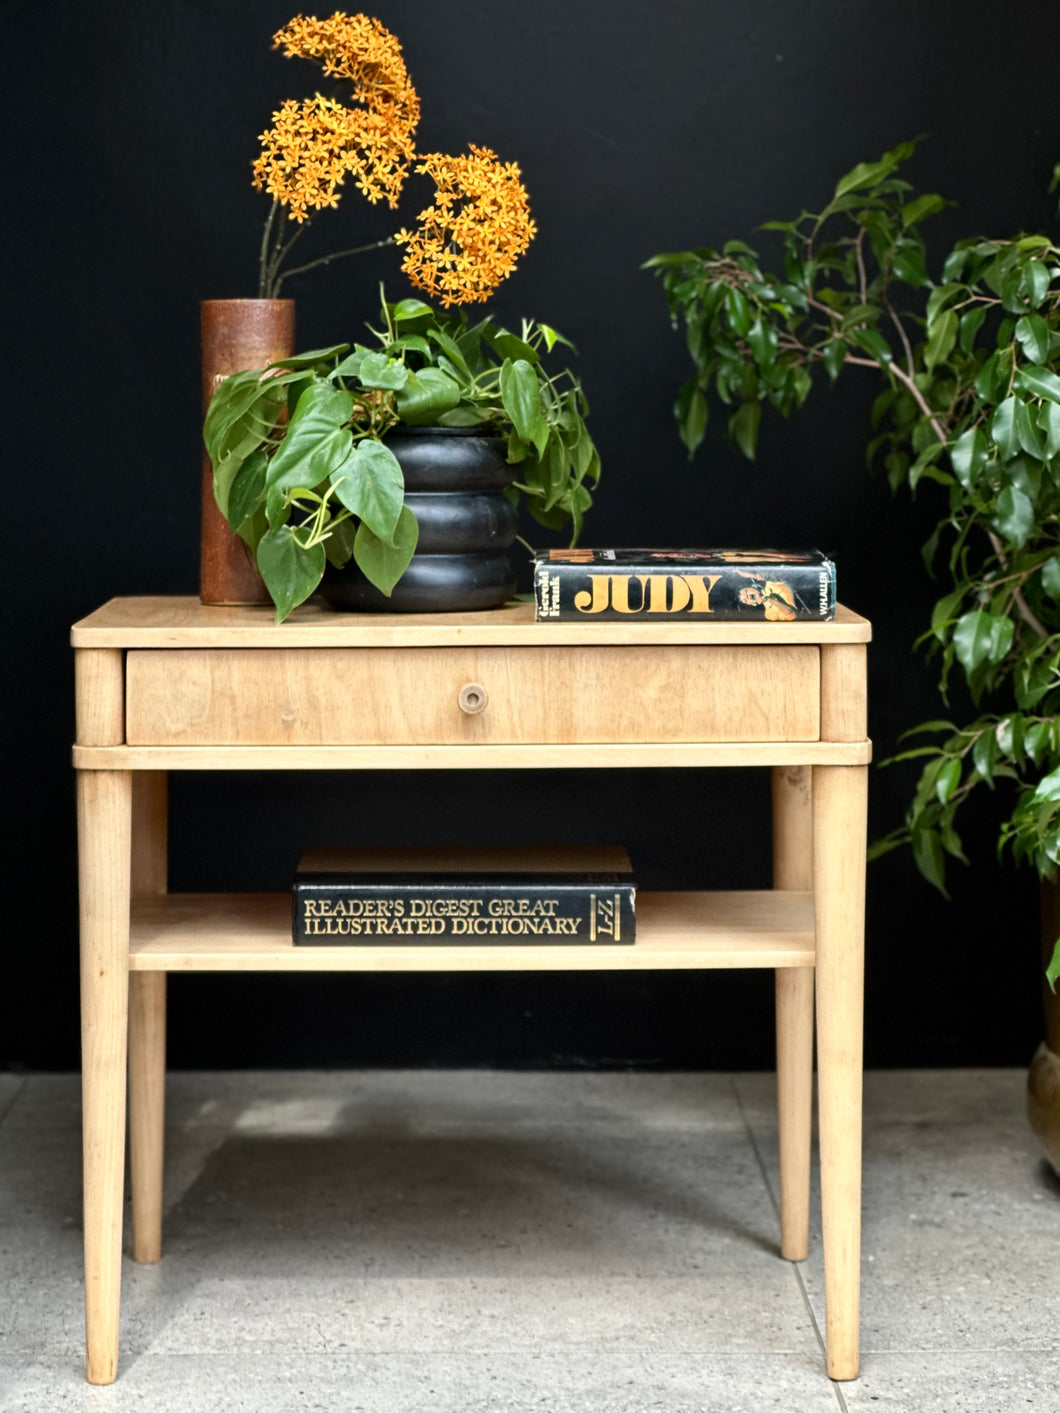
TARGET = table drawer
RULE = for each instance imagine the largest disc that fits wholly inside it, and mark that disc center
(412, 696)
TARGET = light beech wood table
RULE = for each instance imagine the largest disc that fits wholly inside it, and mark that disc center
(165, 684)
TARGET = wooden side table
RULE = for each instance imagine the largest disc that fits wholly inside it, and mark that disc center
(164, 684)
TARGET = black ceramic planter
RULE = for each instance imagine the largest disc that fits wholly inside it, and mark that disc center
(454, 483)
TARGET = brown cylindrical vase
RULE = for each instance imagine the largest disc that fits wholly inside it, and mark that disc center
(236, 334)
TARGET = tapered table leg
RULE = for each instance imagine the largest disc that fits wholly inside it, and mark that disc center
(793, 869)
(147, 1028)
(104, 820)
(839, 809)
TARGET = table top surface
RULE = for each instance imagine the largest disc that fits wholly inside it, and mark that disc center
(184, 622)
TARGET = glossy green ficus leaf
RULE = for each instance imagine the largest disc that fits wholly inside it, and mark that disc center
(1028, 433)
(743, 427)
(921, 207)
(1003, 427)
(930, 860)
(981, 637)
(1050, 573)
(971, 323)
(1049, 424)
(691, 410)
(1039, 381)
(762, 337)
(872, 341)
(868, 174)
(738, 311)
(947, 780)
(942, 338)
(1033, 334)
(968, 455)
(1052, 971)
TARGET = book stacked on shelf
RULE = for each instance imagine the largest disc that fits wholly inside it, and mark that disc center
(414, 897)
(675, 585)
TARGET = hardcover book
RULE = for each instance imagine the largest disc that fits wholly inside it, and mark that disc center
(671, 585)
(414, 897)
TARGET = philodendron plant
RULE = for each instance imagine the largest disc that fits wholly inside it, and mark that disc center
(302, 472)
(970, 362)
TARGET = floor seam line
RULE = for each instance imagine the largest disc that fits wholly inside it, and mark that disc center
(13, 1100)
(795, 1267)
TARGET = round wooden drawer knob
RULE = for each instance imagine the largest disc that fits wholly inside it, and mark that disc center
(472, 698)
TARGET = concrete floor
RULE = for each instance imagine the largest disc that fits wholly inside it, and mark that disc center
(571, 1243)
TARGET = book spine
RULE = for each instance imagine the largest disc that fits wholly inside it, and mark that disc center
(652, 594)
(533, 914)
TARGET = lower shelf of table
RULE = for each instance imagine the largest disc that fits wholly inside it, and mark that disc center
(675, 931)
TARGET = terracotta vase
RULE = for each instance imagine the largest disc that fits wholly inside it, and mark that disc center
(236, 334)
(1043, 1081)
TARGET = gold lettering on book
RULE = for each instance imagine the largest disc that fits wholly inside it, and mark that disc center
(652, 593)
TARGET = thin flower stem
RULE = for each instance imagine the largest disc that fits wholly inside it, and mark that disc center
(336, 255)
(263, 290)
(281, 251)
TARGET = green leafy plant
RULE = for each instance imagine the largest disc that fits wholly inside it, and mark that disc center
(302, 472)
(971, 401)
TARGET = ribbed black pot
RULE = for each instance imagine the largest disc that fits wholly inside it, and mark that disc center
(454, 483)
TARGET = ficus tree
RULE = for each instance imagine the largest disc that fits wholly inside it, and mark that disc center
(970, 400)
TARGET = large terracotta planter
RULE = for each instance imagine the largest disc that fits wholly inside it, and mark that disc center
(1043, 1081)
(454, 485)
(236, 334)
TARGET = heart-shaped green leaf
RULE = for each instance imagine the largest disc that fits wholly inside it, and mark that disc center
(521, 398)
(379, 371)
(247, 489)
(370, 483)
(425, 397)
(316, 443)
(383, 564)
(310, 359)
(406, 309)
(290, 572)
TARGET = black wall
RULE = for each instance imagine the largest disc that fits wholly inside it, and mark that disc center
(639, 127)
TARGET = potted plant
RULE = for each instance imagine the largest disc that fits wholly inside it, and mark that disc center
(971, 401)
(462, 245)
(329, 458)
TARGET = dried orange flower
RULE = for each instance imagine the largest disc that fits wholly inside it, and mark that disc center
(469, 240)
(313, 145)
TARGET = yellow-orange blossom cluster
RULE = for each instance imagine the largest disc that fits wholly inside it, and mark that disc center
(467, 242)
